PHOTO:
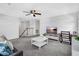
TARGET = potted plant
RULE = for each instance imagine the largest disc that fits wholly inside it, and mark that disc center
(77, 38)
(76, 43)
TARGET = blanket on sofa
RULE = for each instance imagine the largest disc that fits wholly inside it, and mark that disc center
(5, 50)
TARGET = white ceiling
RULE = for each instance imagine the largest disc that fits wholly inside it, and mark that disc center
(47, 9)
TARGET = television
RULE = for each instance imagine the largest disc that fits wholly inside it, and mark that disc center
(51, 30)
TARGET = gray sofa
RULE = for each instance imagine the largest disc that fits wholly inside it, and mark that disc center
(17, 52)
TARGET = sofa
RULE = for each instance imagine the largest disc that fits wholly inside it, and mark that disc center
(52, 36)
(7, 47)
(17, 52)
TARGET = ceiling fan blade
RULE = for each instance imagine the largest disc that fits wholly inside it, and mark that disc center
(37, 13)
(27, 14)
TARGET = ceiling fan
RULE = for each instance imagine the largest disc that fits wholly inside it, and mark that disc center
(33, 12)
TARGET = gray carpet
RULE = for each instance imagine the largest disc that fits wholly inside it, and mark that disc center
(54, 48)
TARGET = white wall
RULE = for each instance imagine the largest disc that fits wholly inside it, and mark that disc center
(64, 22)
(9, 26)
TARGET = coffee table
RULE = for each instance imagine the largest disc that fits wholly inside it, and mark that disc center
(39, 41)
